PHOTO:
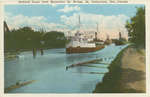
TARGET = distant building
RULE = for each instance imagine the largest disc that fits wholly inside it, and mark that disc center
(6, 29)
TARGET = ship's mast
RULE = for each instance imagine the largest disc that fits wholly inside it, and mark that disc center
(79, 22)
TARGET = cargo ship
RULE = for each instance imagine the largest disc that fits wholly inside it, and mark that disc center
(81, 43)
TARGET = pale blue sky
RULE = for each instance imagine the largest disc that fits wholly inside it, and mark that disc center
(52, 14)
(111, 16)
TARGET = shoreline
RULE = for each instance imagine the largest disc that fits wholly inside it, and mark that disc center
(117, 81)
(9, 55)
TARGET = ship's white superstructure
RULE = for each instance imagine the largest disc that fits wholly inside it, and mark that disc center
(81, 40)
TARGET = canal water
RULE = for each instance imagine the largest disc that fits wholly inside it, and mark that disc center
(49, 71)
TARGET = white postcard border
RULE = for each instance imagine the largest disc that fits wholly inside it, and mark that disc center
(147, 94)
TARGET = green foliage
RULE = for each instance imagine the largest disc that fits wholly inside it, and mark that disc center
(54, 39)
(136, 27)
(110, 83)
(26, 38)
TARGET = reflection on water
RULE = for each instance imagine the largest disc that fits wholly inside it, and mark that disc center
(50, 71)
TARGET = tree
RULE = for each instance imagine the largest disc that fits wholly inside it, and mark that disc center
(54, 39)
(26, 38)
(136, 27)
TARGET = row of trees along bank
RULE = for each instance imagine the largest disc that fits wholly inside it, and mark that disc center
(26, 39)
(136, 28)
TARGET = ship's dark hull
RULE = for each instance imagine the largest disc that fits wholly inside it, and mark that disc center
(83, 50)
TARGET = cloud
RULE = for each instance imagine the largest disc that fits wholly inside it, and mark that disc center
(36, 22)
(68, 8)
(107, 25)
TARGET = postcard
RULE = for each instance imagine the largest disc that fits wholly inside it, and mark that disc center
(74, 48)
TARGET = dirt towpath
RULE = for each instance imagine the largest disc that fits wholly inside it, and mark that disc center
(133, 76)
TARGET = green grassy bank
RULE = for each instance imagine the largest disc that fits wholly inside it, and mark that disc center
(111, 80)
